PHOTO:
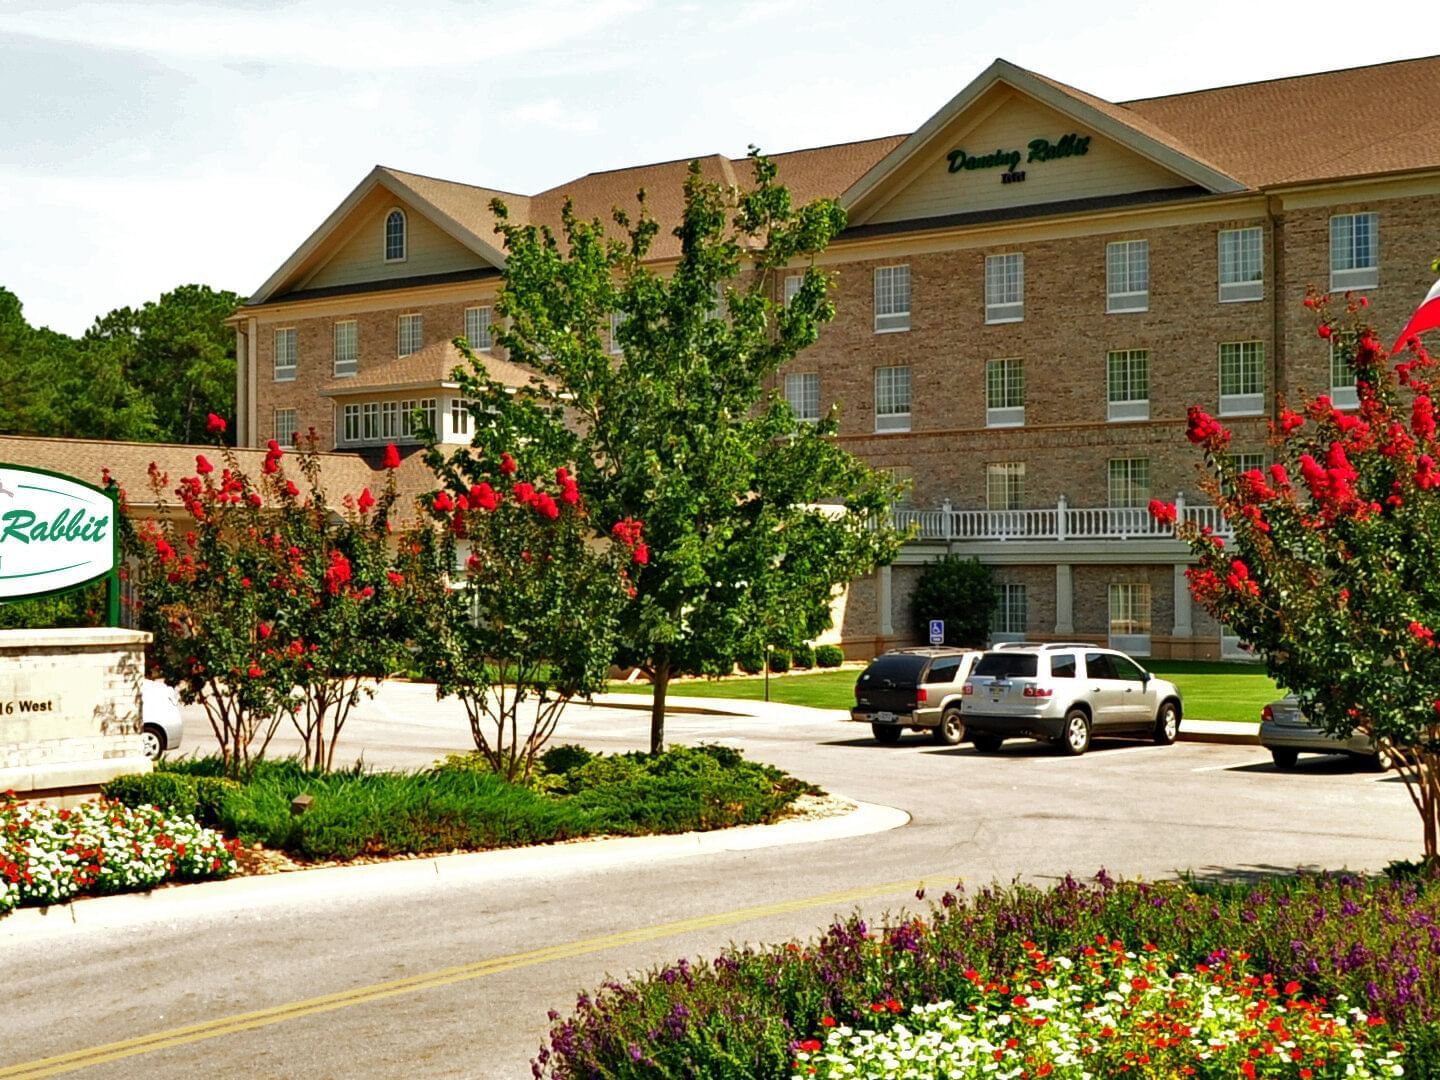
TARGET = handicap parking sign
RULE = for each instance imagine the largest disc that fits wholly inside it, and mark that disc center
(937, 631)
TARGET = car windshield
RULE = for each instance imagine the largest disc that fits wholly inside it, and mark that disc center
(895, 669)
(1006, 665)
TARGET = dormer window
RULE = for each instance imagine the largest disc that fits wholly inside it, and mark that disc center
(395, 236)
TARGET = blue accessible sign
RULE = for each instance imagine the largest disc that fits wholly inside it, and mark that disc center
(937, 631)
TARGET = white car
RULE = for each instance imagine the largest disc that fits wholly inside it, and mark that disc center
(162, 726)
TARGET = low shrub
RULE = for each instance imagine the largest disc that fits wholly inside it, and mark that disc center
(803, 657)
(751, 663)
(779, 661)
(168, 790)
(829, 656)
(748, 1012)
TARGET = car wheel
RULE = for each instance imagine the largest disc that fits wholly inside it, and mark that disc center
(1284, 759)
(1167, 724)
(152, 742)
(988, 744)
(1075, 738)
(951, 728)
(889, 734)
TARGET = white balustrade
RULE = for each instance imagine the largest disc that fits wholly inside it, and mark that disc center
(1060, 523)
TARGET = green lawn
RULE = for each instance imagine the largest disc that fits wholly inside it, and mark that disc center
(1212, 690)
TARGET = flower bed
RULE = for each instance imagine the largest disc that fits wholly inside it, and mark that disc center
(1108, 1013)
(49, 856)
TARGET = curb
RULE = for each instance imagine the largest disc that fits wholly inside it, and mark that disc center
(249, 897)
(1227, 738)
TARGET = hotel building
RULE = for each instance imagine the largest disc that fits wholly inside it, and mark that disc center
(1032, 288)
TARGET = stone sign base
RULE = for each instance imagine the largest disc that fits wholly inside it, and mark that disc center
(69, 710)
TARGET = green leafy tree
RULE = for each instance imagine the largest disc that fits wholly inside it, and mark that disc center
(755, 519)
(960, 591)
(532, 621)
(1330, 573)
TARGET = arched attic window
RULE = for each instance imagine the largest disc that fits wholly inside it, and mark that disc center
(395, 239)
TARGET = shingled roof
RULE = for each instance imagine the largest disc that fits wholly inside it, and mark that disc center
(428, 367)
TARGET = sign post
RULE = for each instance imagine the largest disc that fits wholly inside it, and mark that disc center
(937, 631)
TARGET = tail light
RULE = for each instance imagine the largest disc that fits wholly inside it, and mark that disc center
(967, 690)
(1267, 714)
(921, 696)
(857, 691)
(1038, 691)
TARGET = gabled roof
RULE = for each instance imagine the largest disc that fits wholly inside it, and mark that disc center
(461, 210)
(431, 367)
(1134, 133)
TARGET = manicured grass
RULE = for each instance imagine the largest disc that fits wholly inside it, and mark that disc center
(1212, 690)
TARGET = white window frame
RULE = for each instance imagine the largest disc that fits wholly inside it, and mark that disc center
(404, 236)
(1005, 288)
(802, 392)
(409, 330)
(1350, 267)
(1250, 459)
(350, 424)
(459, 417)
(1131, 616)
(791, 288)
(1343, 394)
(284, 433)
(1127, 397)
(1241, 264)
(1127, 276)
(389, 420)
(1011, 612)
(1005, 393)
(1127, 483)
(479, 330)
(893, 299)
(430, 411)
(893, 389)
(369, 421)
(347, 348)
(617, 320)
(287, 347)
(1004, 485)
(1244, 360)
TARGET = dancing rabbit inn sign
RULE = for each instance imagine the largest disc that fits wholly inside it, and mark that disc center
(69, 698)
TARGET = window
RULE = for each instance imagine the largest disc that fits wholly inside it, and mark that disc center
(792, 286)
(389, 420)
(1242, 378)
(1009, 617)
(347, 348)
(370, 421)
(1354, 251)
(477, 329)
(1242, 269)
(1129, 623)
(285, 427)
(351, 426)
(395, 236)
(892, 299)
(429, 414)
(1004, 393)
(287, 350)
(1127, 385)
(1129, 483)
(1127, 276)
(617, 320)
(411, 334)
(459, 416)
(892, 399)
(1062, 666)
(1246, 462)
(1342, 371)
(802, 391)
(944, 670)
(1005, 485)
(1004, 288)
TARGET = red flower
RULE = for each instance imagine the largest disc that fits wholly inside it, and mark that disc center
(1422, 633)
(263, 630)
(507, 464)
(1422, 417)
(366, 501)
(809, 1046)
(483, 496)
(270, 466)
(255, 671)
(255, 500)
(443, 502)
(203, 466)
(545, 506)
(827, 1021)
(642, 553)
(392, 456)
(215, 424)
(473, 563)
(1163, 512)
(274, 448)
(395, 579)
(1325, 330)
(1204, 430)
(1289, 421)
(291, 489)
(338, 573)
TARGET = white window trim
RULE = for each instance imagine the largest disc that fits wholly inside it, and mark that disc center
(895, 422)
(791, 288)
(1009, 311)
(1006, 608)
(893, 322)
(404, 236)
(1356, 277)
(400, 322)
(1342, 395)
(1240, 404)
(1130, 642)
(345, 369)
(1004, 416)
(801, 379)
(1011, 478)
(617, 320)
(289, 439)
(1127, 410)
(1239, 292)
(286, 372)
(1131, 301)
(477, 346)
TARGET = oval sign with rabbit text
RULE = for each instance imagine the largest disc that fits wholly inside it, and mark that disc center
(56, 532)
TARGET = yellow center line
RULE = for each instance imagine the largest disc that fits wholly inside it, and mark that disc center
(361, 995)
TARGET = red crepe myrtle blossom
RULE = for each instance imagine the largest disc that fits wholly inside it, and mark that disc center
(1163, 512)
(366, 502)
(392, 456)
(338, 574)
(215, 424)
(484, 497)
(443, 502)
(1422, 417)
(1202, 429)
(264, 631)
(291, 489)
(203, 466)
(255, 671)
(507, 464)
(395, 578)
(642, 553)
(1422, 633)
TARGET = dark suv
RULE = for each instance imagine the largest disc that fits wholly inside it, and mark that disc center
(917, 689)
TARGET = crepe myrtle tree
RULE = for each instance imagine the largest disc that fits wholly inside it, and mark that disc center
(1330, 573)
(657, 388)
(531, 620)
(265, 604)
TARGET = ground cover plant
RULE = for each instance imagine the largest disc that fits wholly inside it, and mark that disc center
(50, 855)
(1306, 941)
(464, 804)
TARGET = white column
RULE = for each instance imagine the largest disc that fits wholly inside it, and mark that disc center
(1064, 600)
(242, 389)
(882, 602)
(1183, 628)
(252, 341)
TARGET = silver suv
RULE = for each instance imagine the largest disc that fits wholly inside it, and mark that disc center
(1062, 693)
(914, 688)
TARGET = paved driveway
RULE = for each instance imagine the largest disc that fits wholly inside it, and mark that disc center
(483, 959)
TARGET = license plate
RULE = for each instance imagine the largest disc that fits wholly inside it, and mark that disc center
(883, 717)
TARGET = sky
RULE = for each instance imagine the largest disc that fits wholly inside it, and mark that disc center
(145, 145)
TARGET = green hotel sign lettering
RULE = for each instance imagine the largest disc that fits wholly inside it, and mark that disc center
(1071, 145)
(56, 533)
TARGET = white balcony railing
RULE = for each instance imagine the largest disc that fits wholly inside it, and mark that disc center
(1062, 522)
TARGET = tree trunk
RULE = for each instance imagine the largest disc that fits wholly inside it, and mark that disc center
(657, 706)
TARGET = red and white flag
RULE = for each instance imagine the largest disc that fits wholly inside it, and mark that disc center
(1426, 317)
